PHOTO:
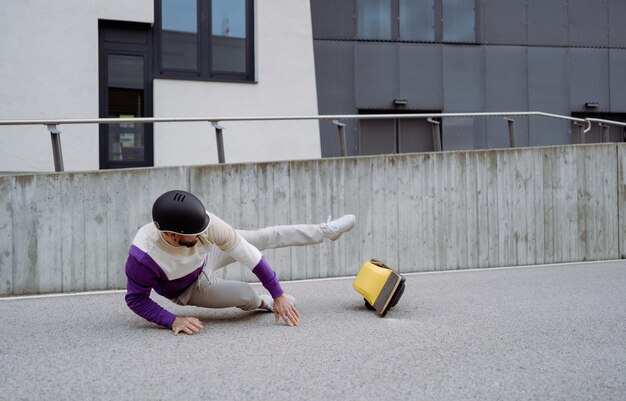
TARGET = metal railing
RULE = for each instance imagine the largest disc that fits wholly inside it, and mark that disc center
(583, 124)
(605, 125)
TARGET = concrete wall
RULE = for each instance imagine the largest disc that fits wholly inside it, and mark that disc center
(49, 69)
(416, 212)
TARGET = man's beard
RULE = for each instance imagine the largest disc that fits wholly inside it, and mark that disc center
(188, 244)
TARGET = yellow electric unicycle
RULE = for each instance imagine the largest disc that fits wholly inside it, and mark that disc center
(380, 286)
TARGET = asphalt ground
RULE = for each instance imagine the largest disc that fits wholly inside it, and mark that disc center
(553, 332)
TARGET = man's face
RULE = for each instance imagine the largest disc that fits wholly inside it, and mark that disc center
(180, 240)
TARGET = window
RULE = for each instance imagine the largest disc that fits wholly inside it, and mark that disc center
(125, 91)
(126, 98)
(205, 39)
(417, 20)
(374, 19)
(228, 34)
(179, 35)
(459, 21)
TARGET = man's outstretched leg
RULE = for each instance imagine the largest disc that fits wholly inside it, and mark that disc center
(286, 235)
(298, 234)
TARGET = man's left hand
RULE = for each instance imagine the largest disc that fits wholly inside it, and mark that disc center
(285, 309)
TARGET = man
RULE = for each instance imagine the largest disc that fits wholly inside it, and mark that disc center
(178, 253)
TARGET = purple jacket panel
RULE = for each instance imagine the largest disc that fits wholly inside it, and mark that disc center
(144, 274)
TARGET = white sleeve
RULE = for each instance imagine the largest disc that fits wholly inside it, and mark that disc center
(228, 240)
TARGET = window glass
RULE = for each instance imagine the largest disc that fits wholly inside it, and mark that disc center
(125, 99)
(459, 20)
(206, 39)
(228, 29)
(125, 71)
(374, 19)
(179, 34)
(417, 20)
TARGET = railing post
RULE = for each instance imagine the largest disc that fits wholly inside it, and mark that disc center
(436, 134)
(220, 141)
(55, 136)
(605, 132)
(511, 124)
(581, 131)
(341, 131)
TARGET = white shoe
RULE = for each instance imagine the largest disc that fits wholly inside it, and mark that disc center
(267, 302)
(333, 229)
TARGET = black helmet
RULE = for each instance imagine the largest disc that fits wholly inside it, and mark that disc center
(180, 212)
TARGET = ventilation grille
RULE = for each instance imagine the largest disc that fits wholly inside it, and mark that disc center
(178, 197)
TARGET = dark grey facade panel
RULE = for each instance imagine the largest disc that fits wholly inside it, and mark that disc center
(588, 23)
(617, 70)
(498, 131)
(333, 19)
(415, 135)
(538, 55)
(421, 77)
(504, 22)
(506, 90)
(547, 23)
(334, 61)
(548, 85)
(544, 131)
(334, 69)
(548, 91)
(463, 78)
(506, 78)
(376, 75)
(617, 23)
(463, 91)
(385, 72)
(588, 78)
(377, 137)
(461, 133)
(498, 135)
(329, 138)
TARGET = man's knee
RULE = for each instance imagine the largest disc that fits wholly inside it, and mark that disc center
(249, 299)
(259, 238)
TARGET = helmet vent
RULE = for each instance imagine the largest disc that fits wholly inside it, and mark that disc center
(178, 197)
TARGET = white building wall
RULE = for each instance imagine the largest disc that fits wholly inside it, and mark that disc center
(49, 69)
(285, 87)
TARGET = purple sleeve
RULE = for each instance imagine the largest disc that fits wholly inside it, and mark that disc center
(140, 283)
(268, 278)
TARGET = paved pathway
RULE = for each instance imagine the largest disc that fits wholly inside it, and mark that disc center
(534, 333)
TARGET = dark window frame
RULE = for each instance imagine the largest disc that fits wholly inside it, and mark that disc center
(206, 72)
(123, 48)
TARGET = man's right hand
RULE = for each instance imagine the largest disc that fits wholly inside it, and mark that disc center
(189, 325)
(285, 309)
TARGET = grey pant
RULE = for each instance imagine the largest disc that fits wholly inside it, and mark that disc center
(213, 292)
